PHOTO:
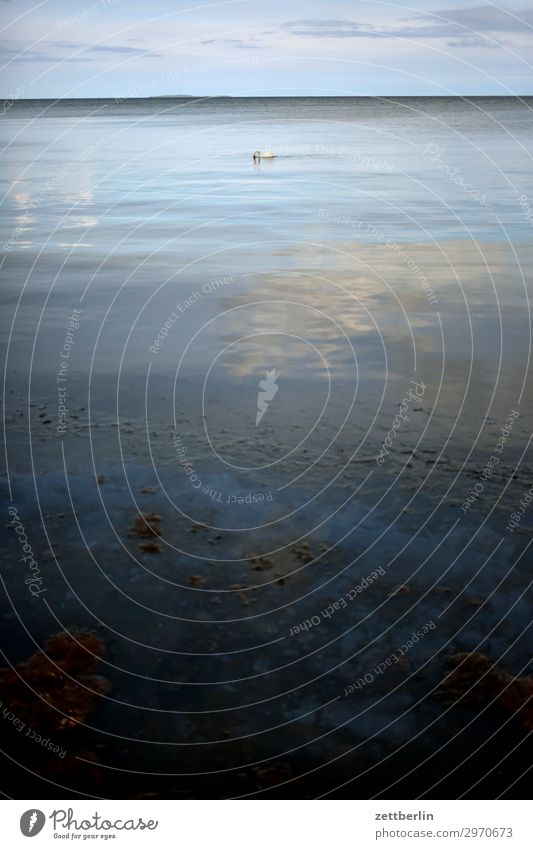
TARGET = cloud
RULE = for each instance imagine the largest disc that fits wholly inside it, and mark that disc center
(333, 28)
(466, 25)
(479, 41)
(19, 52)
(35, 56)
(109, 48)
(489, 19)
(68, 45)
(241, 43)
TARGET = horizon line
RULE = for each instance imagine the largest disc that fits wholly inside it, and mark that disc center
(118, 98)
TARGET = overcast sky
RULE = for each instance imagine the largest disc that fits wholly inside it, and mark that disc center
(121, 48)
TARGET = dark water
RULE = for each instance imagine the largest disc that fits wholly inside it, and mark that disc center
(385, 251)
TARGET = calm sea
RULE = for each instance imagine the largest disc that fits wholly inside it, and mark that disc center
(157, 285)
(388, 237)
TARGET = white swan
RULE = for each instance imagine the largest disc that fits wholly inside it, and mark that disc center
(266, 154)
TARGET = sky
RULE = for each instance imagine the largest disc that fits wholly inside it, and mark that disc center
(143, 48)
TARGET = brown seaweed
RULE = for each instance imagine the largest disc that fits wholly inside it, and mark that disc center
(475, 680)
(146, 525)
(196, 580)
(150, 547)
(65, 692)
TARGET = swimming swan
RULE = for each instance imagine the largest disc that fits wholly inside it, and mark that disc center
(267, 154)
